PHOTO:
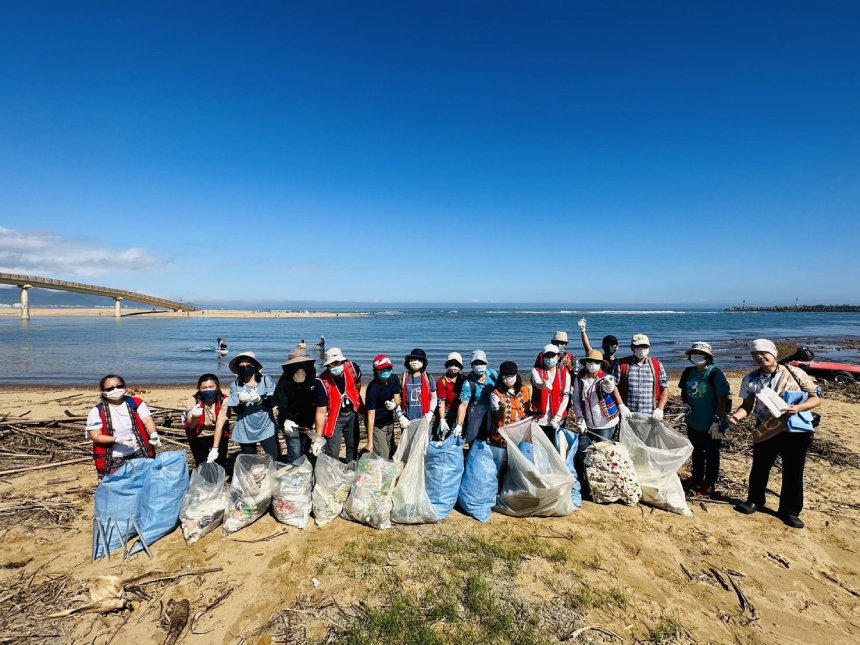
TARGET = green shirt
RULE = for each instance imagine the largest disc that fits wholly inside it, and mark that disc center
(702, 398)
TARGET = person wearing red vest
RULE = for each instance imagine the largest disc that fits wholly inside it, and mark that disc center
(550, 392)
(417, 389)
(202, 411)
(642, 380)
(120, 427)
(338, 402)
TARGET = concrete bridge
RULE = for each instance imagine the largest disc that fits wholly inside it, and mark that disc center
(27, 282)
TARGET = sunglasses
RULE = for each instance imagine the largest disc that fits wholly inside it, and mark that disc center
(107, 388)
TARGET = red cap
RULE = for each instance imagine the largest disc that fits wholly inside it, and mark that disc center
(382, 362)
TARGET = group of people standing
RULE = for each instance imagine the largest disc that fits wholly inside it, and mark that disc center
(321, 412)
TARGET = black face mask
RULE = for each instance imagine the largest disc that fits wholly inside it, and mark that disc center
(247, 372)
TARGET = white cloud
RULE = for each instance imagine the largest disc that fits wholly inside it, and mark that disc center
(49, 254)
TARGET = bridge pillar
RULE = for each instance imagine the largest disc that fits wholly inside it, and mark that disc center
(117, 308)
(25, 301)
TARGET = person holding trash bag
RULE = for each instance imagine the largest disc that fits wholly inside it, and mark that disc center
(550, 391)
(448, 390)
(510, 401)
(642, 380)
(252, 399)
(598, 405)
(382, 401)
(294, 398)
(787, 435)
(609, 345)
(338, 401)
(705, 393)
(474, 407)
(200, 418)
(120, 427)
(418, 390)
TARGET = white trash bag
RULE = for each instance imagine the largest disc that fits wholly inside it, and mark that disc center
(293, 490)
(542, 489)
(203, 507)
(370, 500)
(411, 503)
(250, 492)
(333, 481)
(657, 453)
(611, 474)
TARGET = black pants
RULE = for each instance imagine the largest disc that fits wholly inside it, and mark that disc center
(270, 446)
(200, 447)
(792, 447)
(585, 440)
(345, 431)
(706, 457)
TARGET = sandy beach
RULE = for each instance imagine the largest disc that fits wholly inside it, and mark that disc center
(108, 312)
(639, 573)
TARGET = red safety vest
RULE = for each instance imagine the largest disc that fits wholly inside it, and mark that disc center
(334, 396)
(541, 398)
(102, 452)
(192, 432)
(425, 393)
(656, 372)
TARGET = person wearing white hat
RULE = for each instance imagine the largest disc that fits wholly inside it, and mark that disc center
(705, 393)
(448, 389)
(550, 391)
(642, 380)
(252, 399)
(565, 359)
(788, 435)
(338, 401)
(474, 407)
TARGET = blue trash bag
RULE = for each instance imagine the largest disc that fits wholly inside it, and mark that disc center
(572, 446)
(480, 485)
(164, 490)
(500, 458)
(117, 502)
(443, 472)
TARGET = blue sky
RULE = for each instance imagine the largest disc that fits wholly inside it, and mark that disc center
(562, 152)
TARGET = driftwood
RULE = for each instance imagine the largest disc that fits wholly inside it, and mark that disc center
(97, 606)
(177, 614)
(16, 471)
(745, 603)
(62, 442)
(137, 579)
(200, 614)
(263, 539)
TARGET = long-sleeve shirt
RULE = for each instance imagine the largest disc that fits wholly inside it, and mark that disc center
(589, 389)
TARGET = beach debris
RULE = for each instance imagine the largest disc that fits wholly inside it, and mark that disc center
(370, 499)
(293, 493)
(251, 492)
(746, 605)
(779, 559)
(203, 507)
(611, 475)
(332, 483)
(107, 594)
(177, 618)
(200, 614)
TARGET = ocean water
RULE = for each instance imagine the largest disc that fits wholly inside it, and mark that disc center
(145, 350)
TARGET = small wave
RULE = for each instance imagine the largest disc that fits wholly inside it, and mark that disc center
(633, 312)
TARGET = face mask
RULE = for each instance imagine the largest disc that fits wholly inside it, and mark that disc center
(509, 381)
(592, 367)
(698, 359)
(299, 376)
(641, 352)
(336, 371)
(247, 372)
(453, 371)
(610, 349)
(479, 369)
(415, 365)
(208, 395)
(114, 394)
(384, 375)
(550, 362)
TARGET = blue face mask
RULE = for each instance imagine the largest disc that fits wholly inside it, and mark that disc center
(208, 395)
(247, 372)
(384, 375)
(550, 362)
(479, 369)
(336, 371)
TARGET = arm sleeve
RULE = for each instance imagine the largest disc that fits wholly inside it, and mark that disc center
(94, 422)
(722, 384)
(664, 376)
(745, 388)
(616, 371)
(143, 411)
(434, 399)
(233, 398)
(370, 397)
(320, 398)
(536, 379)
(577, 398)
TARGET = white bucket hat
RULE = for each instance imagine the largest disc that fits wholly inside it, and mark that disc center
(248, 356)
(333, 355)
(454, 356)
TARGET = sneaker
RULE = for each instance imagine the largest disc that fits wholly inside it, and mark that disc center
(793, 521)
(747, 508)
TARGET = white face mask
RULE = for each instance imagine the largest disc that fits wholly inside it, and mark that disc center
(641, 352)
(509, 381)
(698, 359)
(592, 367)
(415, 365)
(115, 394)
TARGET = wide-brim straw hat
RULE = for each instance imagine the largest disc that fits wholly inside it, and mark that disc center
(701, 348)
(595, 355)
(248, 356)
(298, 355)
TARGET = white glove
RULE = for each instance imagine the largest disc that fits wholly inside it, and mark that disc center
(196, 411)
(154, 439)
(126, 443)
(244, 396)
(715, 433)
(255, 397)
(429, 416)
(317, 444)
(581, 428)
(555, 423)
(625, 411)
(457, 431)
(290, 427)
(582, 324)
(390, 405)
(657, 414)
(404, 422)
(212, 456)
(443, 426)
(607, 384)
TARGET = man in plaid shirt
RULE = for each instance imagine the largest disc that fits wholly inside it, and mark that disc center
(642, 381)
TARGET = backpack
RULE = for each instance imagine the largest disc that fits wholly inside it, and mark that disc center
(712, 383)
